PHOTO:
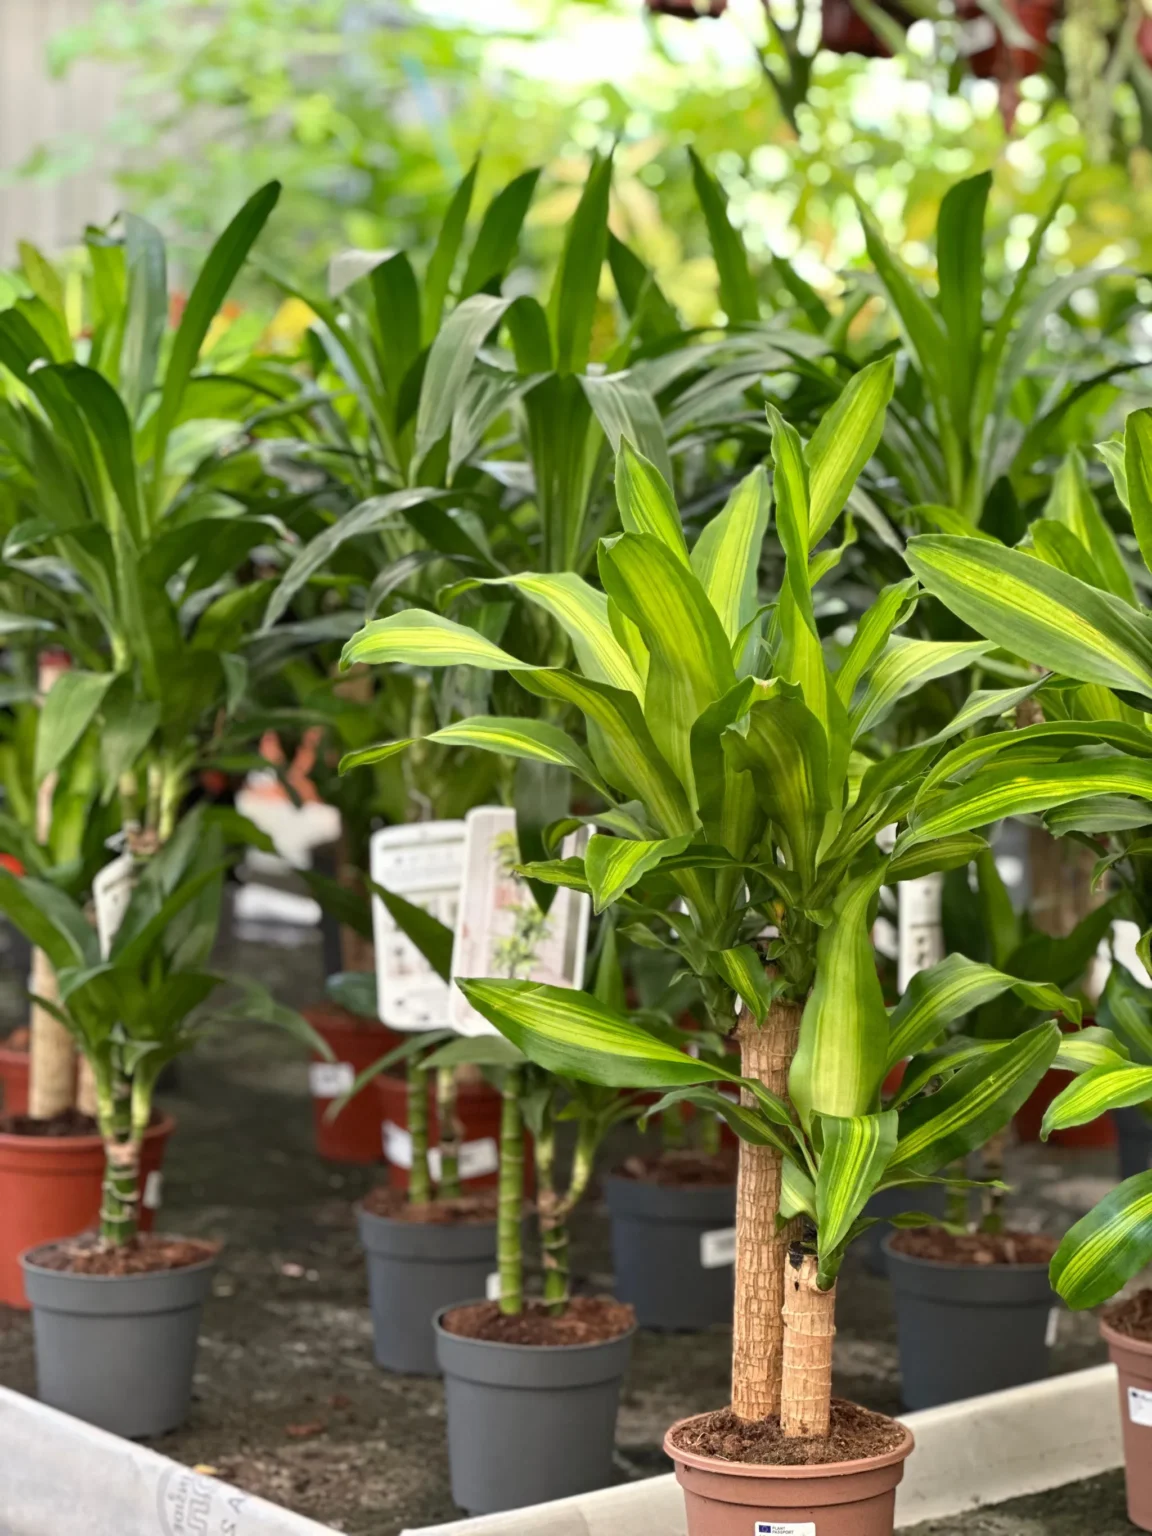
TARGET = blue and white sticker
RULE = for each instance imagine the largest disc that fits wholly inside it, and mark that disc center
(787, 1528)
(1140, 1406)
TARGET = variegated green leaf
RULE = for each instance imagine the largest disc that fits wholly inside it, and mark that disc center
(844, 442)
(727, 553)
(615, 864)
(797, 1192)
(1061, 734)
(943, 993)
(582, 613)
(974, 1103)
(854, 1154)
(1106, 1248)
(843, 1048)
(1072, 504)
(570, 1033)
(1038, 612)
(894, 606)
(425, 639)
(1126, 1007)
(1138, 478)
(1091, 1047)
(905, 665)
(569, 872)
(785, 751)
(646, 502)
(1095, 1092)
(748, 1121)
(930, 858)
(743, 969)
(535, 740)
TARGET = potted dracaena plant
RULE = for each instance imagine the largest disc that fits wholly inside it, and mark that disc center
(744, 791)
(1065, 601)
(131, 1005)
(134, 496)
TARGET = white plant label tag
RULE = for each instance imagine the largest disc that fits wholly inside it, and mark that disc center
(718, 1248)
(111, 893)
(153, 1190)
(397, 1145)
(501, 931)
(1052, 1332)
(786, 1528)
(1140, 1406)
(422, 862)
(477, 1158)
(492, 1288)
(330, 1079)
(921, 938)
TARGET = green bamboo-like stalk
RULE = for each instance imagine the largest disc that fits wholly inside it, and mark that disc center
(553, 1232)
(672, 1129)
(120, 1191)
(450, 1133)
(509, 1232)
(420, 1178)
(992, 1200)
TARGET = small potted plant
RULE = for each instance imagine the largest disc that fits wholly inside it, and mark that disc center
(721, 747)
(130, 1012)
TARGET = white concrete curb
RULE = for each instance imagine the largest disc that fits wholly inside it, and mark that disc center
(980, 1451)
(61, 1477)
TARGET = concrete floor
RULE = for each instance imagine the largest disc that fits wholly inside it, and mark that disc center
(289, 1404)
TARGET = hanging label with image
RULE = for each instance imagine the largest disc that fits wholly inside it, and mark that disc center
(785, 1528)
(718, 1248)
(1140, 1406)
(111, 893)
(921, 937)
(421, 862)
(330, 1079)
(501, 931)
(477, 1158)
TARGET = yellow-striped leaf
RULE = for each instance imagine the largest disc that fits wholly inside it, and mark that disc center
(904, 666)
(1106, 1248)
(727, 553)
(1096, 1091)
(425, 639)
(844, 442)
(943, 993)
(743, 969)
(615, 864)
(854, 1154)
(582, 613)
(535, 740)
(646, 502)
(1138, 478)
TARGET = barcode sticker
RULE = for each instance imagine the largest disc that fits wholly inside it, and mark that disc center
(492, 1287)
(788, 1528)
(1052, 1332)
(153, 1190)
(477, 1158)
(1140, 1406)
(718, 1248)
(329, 1079)
(397, 1145)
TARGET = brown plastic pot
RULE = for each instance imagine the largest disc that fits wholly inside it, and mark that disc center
(13, 1080)
(1133, 1361)
(50, 1188)
(353, 1136)
(844, 1498)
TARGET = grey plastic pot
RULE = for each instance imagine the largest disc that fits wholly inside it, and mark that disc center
(966, 1329)
(894, 1202)
(414, 1271)
(117, 1350)
(1134, 1140)
(665, 1254)
(528, 1424)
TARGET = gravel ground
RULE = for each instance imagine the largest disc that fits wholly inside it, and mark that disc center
(288, 1402)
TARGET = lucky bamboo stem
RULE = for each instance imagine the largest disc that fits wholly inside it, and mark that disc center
(809, 1316)
(420, 1178)
(553, 1232)
(120, 1195)
(509, 1232)
(451, 1133)
(761, 1252)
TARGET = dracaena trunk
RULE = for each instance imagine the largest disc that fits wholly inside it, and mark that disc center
(761, 1252)
(809, 1317)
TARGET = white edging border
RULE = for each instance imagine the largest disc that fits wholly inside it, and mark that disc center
(62, 1477)
(980, 1451)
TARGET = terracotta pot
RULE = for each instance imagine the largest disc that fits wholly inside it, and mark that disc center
(354, 1135)
(478, 1106)
(1133, 1361)
(688, 10)
(50, 1188)
(1100, 1132)
(844, 30)
(13, 1080)
(1000, 61)
(844, 1498)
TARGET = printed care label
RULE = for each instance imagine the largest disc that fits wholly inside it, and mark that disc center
(788, 1528)
(153, 1190)
(492, 1290)
(421, 862)
(111, 893)
(1140, 1406)
(477, 1158)
(330, 1079)
(718, 1249)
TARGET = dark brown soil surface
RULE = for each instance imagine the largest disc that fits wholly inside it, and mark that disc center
(976, 1247)
(856, 1434)
(685, 1169)
(69, 1122)
(470, 1210)
(149, 1254)
(587, 1320)
(1132, 1317)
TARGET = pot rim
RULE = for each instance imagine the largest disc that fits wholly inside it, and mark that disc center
(524, 1349)
(717, 1465)
(28, 1263)
(11, 1139)
(1124, 1340)
(14, 1052)
(359, 1209)
(957, 1264)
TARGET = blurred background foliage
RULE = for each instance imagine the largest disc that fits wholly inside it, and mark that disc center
(369, 111)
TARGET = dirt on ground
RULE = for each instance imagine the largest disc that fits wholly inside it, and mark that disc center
(289, 1403)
